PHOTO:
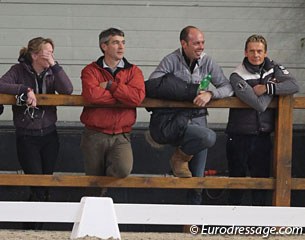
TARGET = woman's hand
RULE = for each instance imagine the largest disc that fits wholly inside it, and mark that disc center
(31, 99)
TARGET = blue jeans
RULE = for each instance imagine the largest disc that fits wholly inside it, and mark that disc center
(196, 141)
(197, 167)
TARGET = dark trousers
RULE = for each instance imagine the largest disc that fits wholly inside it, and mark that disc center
(249, 155)
(38, 155)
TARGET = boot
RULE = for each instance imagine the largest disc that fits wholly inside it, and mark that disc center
(179, 164)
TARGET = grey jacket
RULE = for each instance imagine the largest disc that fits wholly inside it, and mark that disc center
(18, 79)
(173, 80)
(258, 119)
(175, 63)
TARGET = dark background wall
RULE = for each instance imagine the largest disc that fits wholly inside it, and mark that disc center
(147, 160)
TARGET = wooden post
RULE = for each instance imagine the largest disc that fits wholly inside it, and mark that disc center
(283, 151)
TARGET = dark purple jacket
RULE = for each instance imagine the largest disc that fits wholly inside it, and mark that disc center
(19, 78)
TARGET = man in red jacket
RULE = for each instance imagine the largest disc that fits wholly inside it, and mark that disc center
(111, 79)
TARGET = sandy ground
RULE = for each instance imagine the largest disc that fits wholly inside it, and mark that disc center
(64, 235)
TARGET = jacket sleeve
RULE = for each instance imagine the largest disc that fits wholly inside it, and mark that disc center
(130, 92)
(246, 94)
(63, 84)
(164, 67)
(284, 83)
(221, 83)
(170, 87)
(91, 90)
(1, 109)
(9, 82)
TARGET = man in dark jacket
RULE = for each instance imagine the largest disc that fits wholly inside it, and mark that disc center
(256, 81)
(177, 77)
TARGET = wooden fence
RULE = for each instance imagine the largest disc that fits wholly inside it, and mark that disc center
(281, 183)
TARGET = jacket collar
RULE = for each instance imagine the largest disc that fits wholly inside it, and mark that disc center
(265, 66)
(28, 65)
(100, 63)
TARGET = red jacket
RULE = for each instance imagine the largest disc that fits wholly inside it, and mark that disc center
(127, 88)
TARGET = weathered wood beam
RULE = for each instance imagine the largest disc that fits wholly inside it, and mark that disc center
(299, 102)
(77, 100)
(136, 182)
(298, 184)
(283, 152)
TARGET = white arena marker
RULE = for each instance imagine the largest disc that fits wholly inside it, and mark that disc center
(97, 219)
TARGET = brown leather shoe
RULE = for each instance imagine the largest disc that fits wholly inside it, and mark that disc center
(179, 164)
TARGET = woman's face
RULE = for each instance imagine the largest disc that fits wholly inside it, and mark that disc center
(42, 59)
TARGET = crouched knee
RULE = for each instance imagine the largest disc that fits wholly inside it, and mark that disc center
(119, 171)
(209, 139)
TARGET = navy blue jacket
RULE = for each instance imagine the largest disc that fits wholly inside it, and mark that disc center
(167, 125)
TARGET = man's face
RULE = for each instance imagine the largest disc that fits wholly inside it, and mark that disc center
(195, 44)
(114, 48)
(255, 53)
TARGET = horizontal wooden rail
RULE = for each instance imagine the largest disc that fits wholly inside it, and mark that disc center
(135, 181)
(299, 102)
(216, 182)
(298, 183)
(77, 100)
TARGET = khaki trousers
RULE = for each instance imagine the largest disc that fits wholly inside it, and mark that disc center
(105, 154)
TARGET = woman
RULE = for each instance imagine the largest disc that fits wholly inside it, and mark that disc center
(36, 137)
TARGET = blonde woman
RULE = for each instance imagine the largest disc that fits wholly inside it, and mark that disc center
(36, 137)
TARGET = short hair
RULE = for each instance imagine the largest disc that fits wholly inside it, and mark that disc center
(184, 34)
(256, 38)
(106, 34)
(34, 46)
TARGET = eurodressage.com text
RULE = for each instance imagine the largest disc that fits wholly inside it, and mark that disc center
(265, 232)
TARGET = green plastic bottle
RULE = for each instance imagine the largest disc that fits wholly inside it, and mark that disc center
(203, 86)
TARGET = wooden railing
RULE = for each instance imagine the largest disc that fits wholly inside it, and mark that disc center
(281, 183)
